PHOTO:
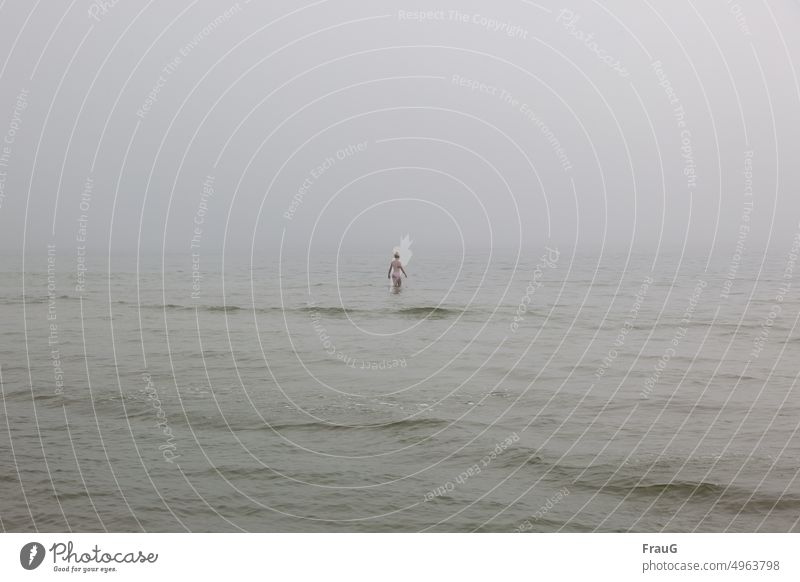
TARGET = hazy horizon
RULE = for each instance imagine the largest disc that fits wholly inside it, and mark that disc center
(515, 124)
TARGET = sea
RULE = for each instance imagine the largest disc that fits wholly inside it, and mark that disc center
(535, 390)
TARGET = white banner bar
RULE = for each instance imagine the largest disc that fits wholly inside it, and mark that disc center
(401, 557)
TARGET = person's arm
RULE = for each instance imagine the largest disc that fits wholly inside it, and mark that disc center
(404, 271)
(389, 276)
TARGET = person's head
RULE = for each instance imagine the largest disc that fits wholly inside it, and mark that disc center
(397, 255)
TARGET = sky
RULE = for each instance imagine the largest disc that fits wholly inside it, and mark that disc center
(279, 127)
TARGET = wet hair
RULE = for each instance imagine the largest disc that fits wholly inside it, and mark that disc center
(397, 255)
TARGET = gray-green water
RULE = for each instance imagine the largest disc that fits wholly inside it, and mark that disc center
(628, 394)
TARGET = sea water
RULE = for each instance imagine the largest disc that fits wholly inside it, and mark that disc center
(495, 391)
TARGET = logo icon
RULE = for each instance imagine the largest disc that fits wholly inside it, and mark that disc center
(31, 555)
(405, 249)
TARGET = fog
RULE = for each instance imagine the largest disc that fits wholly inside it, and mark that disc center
(209, 127)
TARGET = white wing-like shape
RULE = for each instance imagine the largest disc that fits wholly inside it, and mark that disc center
(405, 249)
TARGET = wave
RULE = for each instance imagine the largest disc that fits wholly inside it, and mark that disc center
(330, 311)
(316, 425)
(224, 308)
(231, 472)
(628, 481)
(179, 307)
(733, 497)
(518, 457)
(682, 489)
(426, 311)
(434, 312)
(34, 299)
(735, 377)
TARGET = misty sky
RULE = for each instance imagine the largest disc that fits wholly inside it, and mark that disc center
(618, 125)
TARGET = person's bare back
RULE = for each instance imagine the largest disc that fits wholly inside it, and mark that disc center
(395, 270)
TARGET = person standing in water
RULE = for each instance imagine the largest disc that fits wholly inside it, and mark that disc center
(395, 268)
